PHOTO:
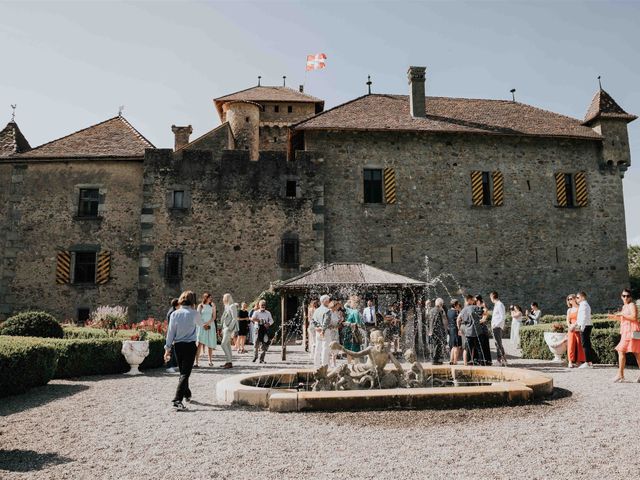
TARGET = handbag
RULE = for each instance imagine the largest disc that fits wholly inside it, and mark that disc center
(207, 327)
(635, 335)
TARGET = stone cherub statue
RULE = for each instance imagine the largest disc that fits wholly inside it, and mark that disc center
(415, 375)
(373, 373)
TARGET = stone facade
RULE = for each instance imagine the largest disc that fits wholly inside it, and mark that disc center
(43, 220)
(231, 232)
(262, 197)
(528, 249)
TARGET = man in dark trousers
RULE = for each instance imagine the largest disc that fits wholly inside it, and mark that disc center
(470, 317)
(173, 363)
(263, 318)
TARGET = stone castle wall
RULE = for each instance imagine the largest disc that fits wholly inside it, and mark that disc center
(42, 219)
(231, 231)
(528, 249)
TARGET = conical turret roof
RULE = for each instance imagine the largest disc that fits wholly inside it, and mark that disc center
(603, 105)
(12, 141)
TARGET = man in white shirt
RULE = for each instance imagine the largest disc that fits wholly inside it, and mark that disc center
(497, 326)
(585, 325)
(322, 321)
(262, 317)
(369, 318)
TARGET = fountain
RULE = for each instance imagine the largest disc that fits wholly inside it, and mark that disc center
(382, 383)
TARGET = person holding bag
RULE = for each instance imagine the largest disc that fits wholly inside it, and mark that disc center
(229, 327)
(629, 333)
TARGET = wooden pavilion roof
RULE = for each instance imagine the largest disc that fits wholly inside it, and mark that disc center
(340, 275)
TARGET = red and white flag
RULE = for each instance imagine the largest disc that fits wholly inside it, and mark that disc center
(316, 62)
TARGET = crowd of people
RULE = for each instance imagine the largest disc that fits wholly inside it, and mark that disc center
(462, 331)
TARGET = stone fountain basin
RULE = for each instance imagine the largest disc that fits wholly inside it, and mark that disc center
(508, 386)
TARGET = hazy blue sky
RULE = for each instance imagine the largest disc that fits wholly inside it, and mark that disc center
(71, 64)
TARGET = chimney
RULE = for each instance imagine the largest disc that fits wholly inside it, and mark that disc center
(301, 88)
(182, 135)
(416, 91)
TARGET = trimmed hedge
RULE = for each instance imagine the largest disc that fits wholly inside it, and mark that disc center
(24, 363)
(563, 318)
(32, 324)
(84, 352)
(604, 338)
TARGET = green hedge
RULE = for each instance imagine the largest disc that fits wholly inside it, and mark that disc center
(84, 352)
(563, 318)
(32, 324)
(24, 363)
(604, 339)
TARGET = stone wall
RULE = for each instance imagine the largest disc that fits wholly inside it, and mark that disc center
(44, 220)
(528, 249)
(231, 231)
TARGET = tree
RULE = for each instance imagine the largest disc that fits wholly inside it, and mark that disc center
(634, 269)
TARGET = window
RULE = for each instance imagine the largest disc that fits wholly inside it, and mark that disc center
(88, 202)
(178, 199)
(276, 108)
(291, 190)
(571, 189)
(289, 252)
(289, 109)
(568, 188)
(487, 189)
(84, 269)
(372, 185)
(173, 267)
(83, 316)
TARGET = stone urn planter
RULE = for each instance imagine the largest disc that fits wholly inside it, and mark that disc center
(135, 351)
(557, 343)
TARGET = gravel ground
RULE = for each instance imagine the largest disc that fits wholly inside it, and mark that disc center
(121, 427)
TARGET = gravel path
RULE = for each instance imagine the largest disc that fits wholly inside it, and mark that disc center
(120, 427)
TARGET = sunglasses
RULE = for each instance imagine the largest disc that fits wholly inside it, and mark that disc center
(624, 295)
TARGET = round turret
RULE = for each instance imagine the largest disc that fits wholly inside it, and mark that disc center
(244, 120)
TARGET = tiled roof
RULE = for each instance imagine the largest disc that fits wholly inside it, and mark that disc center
(603, 105)
(12, 141)
(348, 274)
(267, 94)
(112, 138)
(445, 114)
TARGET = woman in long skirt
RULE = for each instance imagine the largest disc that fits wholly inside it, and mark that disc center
(575, 352)
(229, 326)
(516, 323)
(629, 333)
(353, 329)
(207, 333)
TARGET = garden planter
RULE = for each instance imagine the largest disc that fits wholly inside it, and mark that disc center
(134, 353)
(557, 343)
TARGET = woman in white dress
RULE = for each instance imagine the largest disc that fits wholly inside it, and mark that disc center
(207, 332)
(229, 326)
(516, 323)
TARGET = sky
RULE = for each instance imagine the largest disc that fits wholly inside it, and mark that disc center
(68, 65)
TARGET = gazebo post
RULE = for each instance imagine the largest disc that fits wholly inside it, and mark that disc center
(305, 323)
(283, 316)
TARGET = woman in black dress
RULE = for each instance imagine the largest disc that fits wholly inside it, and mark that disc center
(243, 327)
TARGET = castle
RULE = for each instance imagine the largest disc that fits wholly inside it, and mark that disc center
(502, 195)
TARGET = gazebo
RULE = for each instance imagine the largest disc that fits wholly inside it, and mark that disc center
(341, 279)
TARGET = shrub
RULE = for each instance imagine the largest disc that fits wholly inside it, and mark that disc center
(32, 324)
(87, 356)
(563, 318)
(603, 340)
(24, 363)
